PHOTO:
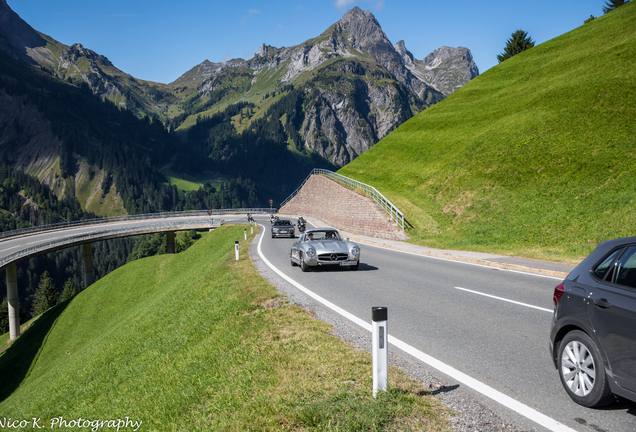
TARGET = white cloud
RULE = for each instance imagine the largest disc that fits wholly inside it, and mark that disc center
(343, 3)
(228, 56)
(380, 5)
(255, 11)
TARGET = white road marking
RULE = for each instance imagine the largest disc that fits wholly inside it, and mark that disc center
(506, 300)
(484, 389)
(461, 262)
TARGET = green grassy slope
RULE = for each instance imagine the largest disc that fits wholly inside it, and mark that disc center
(535, 157)
(198, 341)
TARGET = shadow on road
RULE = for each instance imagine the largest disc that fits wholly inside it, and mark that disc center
(445, 389)
(332, 268)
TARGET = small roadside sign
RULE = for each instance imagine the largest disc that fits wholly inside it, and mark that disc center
(209, 212)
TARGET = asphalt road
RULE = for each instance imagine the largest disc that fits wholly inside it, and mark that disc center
(499, 343)
(442, 308)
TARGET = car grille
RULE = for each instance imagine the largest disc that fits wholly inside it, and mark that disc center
(333, 257)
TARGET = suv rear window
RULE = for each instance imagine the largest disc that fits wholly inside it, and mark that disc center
(626, 268)
(606, 265)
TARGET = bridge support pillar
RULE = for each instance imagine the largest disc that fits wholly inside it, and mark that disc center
(12, 297)
(89, 273)
(170, 242)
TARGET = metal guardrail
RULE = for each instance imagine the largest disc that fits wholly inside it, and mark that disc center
(97, 221)
(392, 211)
(97, 234)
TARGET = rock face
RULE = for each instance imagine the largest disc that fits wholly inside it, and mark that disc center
(446, 69)
(358, 86)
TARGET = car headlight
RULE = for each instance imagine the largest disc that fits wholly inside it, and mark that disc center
(311, 252)
(355, 251)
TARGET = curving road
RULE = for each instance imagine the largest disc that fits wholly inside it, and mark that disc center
(13, 249)
(489, 324)
(484, 328)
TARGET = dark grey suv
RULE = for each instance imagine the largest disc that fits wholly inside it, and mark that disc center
(593, 336)
(283, 227)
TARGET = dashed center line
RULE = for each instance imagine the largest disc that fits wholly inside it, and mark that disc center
(506, 300)
(505, 400)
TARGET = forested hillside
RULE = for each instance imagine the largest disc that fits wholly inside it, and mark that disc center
(270, 119)
(25, 202)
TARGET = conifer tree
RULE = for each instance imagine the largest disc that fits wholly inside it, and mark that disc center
(610, 5)
(518, 42)
(69, 291)
(45, 296)
(4, 315)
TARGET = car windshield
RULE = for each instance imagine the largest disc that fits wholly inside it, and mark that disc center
(282, 223)
(324, 235)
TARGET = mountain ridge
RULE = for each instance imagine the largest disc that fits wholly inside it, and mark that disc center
(534, 158)
(341, 91)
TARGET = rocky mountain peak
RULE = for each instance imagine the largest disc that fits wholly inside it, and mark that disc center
(406, 55)
(77, 50)
(358, 14)
(446, 68)
(264, 50)
(363, 28)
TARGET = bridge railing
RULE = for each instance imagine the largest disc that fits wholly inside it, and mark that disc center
(392, 211)
(97, 221)
(99, 234)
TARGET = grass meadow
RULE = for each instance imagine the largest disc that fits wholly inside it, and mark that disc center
(200, 341)
(536, 157)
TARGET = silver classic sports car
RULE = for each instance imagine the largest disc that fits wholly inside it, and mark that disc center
(324, 247)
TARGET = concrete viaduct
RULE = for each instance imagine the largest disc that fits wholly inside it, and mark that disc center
(22, 244)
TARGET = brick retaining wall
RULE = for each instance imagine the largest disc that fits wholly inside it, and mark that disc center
(342, 208)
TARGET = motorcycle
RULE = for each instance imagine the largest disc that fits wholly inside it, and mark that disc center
(302, 226)
(250, 218)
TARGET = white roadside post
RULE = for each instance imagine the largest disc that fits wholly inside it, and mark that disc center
(236, 250)
(379, 339)
(245, 233)
(251, 229)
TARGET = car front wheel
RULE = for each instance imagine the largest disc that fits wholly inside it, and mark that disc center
(304, 267)
(582, 371)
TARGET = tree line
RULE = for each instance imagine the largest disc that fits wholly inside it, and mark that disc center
(44, 207)
(262, 152)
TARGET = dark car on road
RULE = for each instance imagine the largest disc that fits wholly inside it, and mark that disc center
(593, 335)
(283, 228)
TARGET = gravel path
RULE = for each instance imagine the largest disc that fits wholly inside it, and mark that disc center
(472, 416)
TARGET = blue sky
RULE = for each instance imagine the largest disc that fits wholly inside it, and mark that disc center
(158, 40)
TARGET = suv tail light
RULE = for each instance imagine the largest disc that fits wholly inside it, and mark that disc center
(558, 292)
